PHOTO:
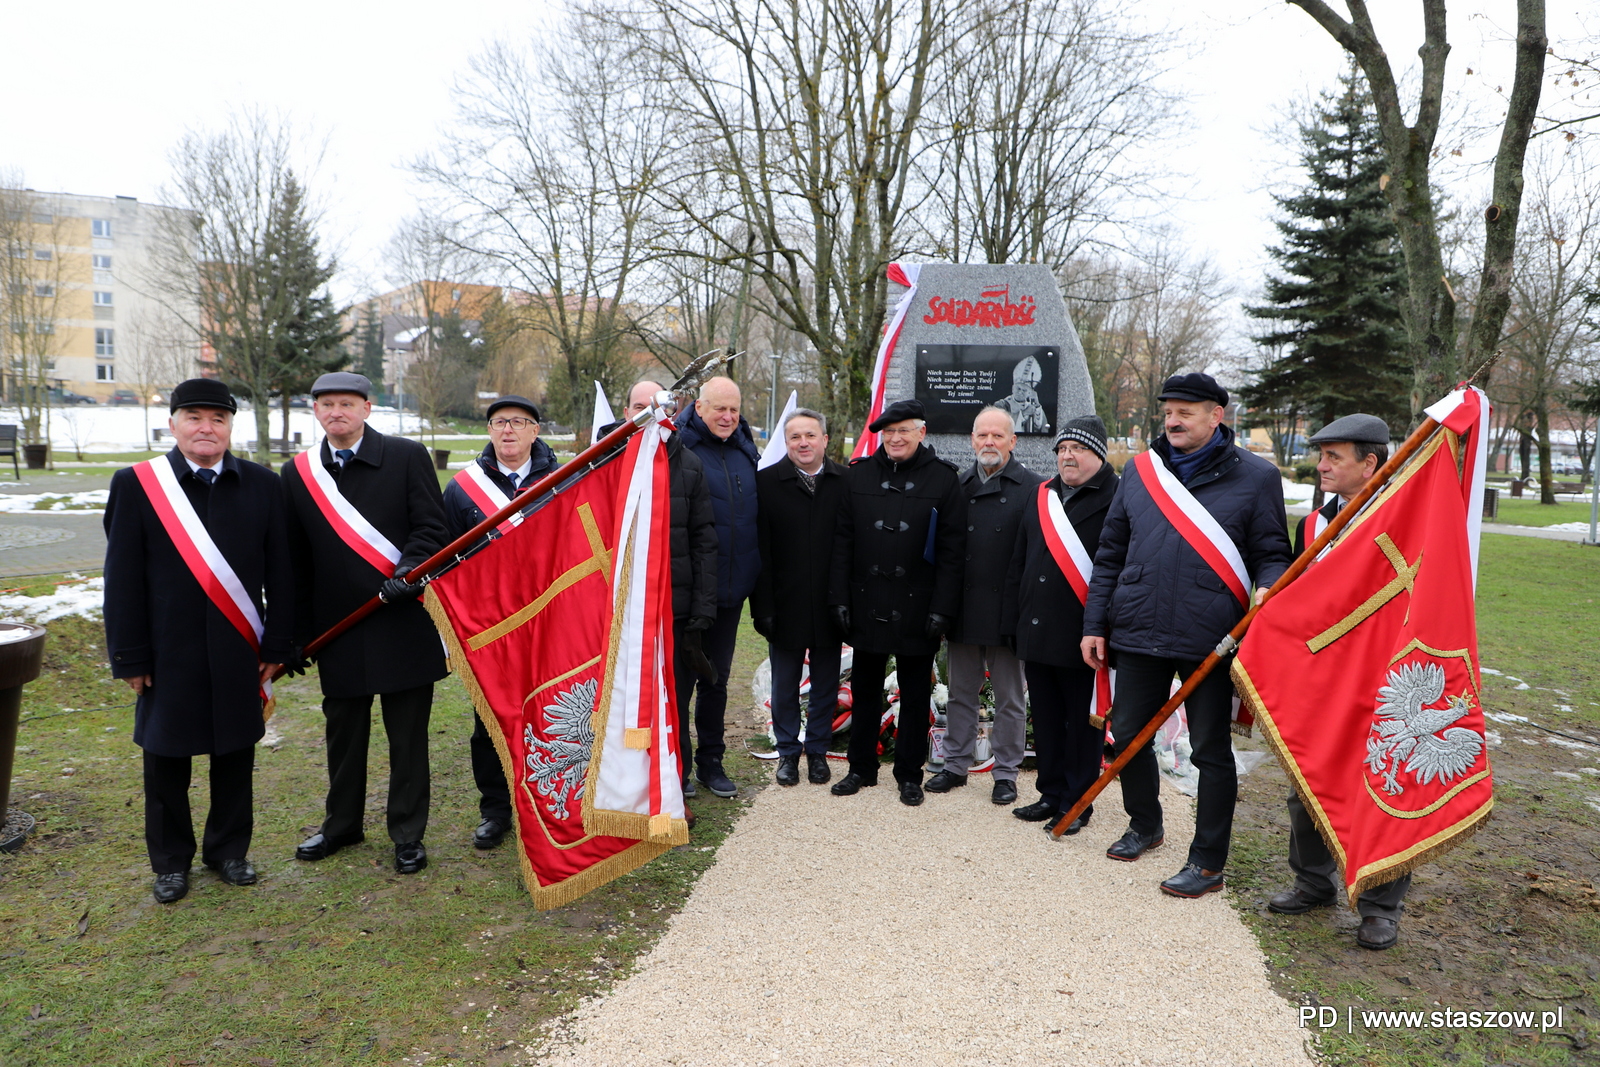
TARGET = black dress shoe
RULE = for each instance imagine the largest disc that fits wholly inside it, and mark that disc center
(410, 857)
(910, 794)
(1378, 933)
(490, 832)
(1075, 826)
(689, 792)
(1038, 811)
(788, 770)
(1131, 845)
(945, 781)
(319, 846)
(1004, 792)
(850, 785)
(719, 783)
(1297, 901)
(234, 872)
(1192, 882)
(171, 887)
(817, 770)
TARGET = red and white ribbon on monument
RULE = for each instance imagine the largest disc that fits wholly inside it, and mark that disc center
(1066, 548)
(351, 526)
(200, 553)
(1194, 523)
(901, 274)
(482, 491)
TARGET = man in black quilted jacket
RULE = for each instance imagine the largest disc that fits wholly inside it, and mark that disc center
(1196, 522)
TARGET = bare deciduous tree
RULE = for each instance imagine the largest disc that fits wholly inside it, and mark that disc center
(37, 275)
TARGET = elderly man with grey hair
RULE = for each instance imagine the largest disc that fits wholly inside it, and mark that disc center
(997, 487)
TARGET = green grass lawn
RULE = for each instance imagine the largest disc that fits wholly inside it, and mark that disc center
(1539, 615)
(1527, 512)
(342, 961)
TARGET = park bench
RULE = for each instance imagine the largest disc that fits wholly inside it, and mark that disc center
(8, 447)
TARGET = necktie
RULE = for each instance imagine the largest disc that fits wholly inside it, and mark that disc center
(207, 475)
(345, 455)
(512, 478)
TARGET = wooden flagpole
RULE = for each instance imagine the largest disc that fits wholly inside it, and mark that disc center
(1229, 644)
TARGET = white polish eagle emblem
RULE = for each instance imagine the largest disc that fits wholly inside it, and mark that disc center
(1408, 735)
(557, 765)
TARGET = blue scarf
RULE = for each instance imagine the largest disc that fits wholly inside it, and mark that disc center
(1187, 464)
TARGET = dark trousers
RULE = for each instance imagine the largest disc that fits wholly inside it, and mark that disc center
(405, 720)
(683, 678)
(867, 672)
(1067, 748)
(168, 828)
(494, 795)
(711, 703)
(1314, 869)
(821, 707)
(1143, 685)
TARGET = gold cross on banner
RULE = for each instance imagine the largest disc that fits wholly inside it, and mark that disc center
(599, 562)
(1404, 581)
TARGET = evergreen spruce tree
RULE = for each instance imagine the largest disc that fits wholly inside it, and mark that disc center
(369, 345)
(307, 330)
(1335, 311)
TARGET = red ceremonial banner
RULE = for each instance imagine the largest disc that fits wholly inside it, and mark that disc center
(566, 652)
(1364, 673)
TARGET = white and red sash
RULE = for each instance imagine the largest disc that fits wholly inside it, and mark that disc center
(483, 492)
(351, 526)
(1315, 524)
(200, 553)
(1066, 548)
(1194, 523)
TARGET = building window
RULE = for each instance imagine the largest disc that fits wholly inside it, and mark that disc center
(105, 342)
(102, 262)
(43, 289)
(41, 253)
(105, 372)
(455, 294)
(43, 218)
(102, 299)
(102, 227)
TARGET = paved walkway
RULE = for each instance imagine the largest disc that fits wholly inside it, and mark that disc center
(853, 931)
(49, 542)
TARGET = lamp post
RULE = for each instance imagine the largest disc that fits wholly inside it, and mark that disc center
(1594, 497)
(772, 397)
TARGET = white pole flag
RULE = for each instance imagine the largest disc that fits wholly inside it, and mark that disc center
(602, 413)
(776, 449)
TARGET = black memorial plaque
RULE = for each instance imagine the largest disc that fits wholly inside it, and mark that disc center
(955, 382)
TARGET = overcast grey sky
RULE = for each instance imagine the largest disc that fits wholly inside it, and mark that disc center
(98, 93)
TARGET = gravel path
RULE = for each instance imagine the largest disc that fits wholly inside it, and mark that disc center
(844, 931)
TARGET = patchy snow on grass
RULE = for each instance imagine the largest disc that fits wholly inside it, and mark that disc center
(83, 598)
(91, 502)
(1297, 492)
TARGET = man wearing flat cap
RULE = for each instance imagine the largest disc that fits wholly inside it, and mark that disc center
(895, 587)
(198, 608)
(364, 509)
(1050, 565)
(513, 460)
(1197, 525)
(1352, 449)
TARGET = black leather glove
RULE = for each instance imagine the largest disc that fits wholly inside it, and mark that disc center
(764, 625)
(938, 625)
(841, 619)
(1010, 642)
(296, 663)
(698, 624)
(396, 589)
(697, 656)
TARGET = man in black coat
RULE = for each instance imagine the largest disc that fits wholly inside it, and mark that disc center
(1162, 607)
(1352, 449)
(997, 488)
(896, 587)
(513, 459)
(395, 519)
(1043, 620)
(197, 664)
(799, 500)
(694, 569)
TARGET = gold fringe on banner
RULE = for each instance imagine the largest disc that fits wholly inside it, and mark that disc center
(636, 737)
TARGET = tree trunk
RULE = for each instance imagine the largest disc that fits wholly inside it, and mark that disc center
(1547, 492)
(286, 399)
(262, 403)
(1525, 450)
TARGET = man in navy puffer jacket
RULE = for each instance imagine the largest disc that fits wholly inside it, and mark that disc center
(1162, 607)
(719, 436)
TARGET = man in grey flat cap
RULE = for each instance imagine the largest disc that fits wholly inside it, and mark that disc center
(1352, 449)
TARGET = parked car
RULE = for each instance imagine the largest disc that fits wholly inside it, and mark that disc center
(67, 396)
(123, 397)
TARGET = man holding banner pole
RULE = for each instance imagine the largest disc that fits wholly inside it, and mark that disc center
(513, 459)
(364, 509)
(1196, 522)
(198, 601)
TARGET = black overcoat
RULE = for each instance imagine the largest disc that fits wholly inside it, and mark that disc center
(1329, 509)
(462, 512)
(994, 511)
(879, 567)
(1040, 608)
(795, 531)
(206, 694)
(391, 481)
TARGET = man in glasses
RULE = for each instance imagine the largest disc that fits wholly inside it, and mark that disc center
(513, 459)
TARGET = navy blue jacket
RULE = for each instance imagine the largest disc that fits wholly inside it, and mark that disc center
(730, 471)
(1152, 593)
(459, 510)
